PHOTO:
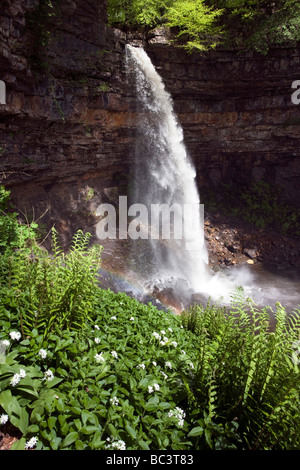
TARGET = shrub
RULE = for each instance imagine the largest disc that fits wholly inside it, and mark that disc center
(245, 392)
(114, 381)
(85, 368)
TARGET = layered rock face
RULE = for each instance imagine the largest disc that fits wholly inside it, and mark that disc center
(238, 117)
(67, 129)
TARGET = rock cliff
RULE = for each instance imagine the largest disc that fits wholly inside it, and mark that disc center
(67, 129)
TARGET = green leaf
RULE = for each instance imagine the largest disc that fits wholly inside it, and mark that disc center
(55, 442)
(51, 422)
(208, 437)
(33, 429)
(69, 439)
(96, 441)
(164, 405)
(29, 389)
(19, 445)
(89, 430)
(197, 431)
(131, 431)
(79, 445)
(143, 445)
(112, 430)
(9, 403)
(23, 421)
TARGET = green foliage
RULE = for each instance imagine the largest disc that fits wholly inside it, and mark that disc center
(200, 24)
(192, 19)
(260, 204)
(196, 22)
(83, 368)
(264, 206)
(135, 13)
(260, 25)
(53, 290)
(11, 230)
(8, 222)
(133, 374)
(112, 381)
(245, 393)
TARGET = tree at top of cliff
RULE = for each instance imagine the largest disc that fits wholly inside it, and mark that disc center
(260, 24)
(196, 22)
(200, 24)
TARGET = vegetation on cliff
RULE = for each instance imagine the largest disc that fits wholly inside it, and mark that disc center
(84, 368)
(256, 24)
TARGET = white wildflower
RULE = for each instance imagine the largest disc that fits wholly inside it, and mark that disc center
(96, 327)
(43, 353)
(5, 343)
(163, 332)
(118, 445)
(168, 364)
(156, 387)
(183, 352)
(131, 318)
(154, 363)
(121, 445)
(15, 380)
(174, 344)
(99, 357)
(97, 340)
(141, 366)
(150, 389)
(113, 318)
(178, 414)
(165, 375)
(170, 329)
(192, 365)
(15, 335)
(114, 401)
(22, 373)
(156, 335)
(114, 354)
(48, 375)
(31, 443)
(3, 419)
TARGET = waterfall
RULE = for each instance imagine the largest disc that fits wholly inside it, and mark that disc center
(164, 174)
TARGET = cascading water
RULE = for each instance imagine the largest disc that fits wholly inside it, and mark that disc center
(165, 175)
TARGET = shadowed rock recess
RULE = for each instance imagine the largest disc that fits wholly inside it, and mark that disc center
(67, 129)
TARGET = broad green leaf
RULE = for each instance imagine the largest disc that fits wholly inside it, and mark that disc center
(19, 445)
(197, 431)
(69, 439)
(79, 445)
(131, 431)
(23, 421)
(51, 422)
(10, 403)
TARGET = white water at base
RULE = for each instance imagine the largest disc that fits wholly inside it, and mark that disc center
(166, 175)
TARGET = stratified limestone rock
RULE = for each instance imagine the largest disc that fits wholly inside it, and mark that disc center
(70, 116)
(237, 114)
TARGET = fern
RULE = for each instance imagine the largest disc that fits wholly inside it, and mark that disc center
(245, 377)
(55, 290)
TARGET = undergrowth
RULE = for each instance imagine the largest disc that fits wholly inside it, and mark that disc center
(85, 368)
(260, 204)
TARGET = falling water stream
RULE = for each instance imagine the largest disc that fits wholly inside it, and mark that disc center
(164, 174)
